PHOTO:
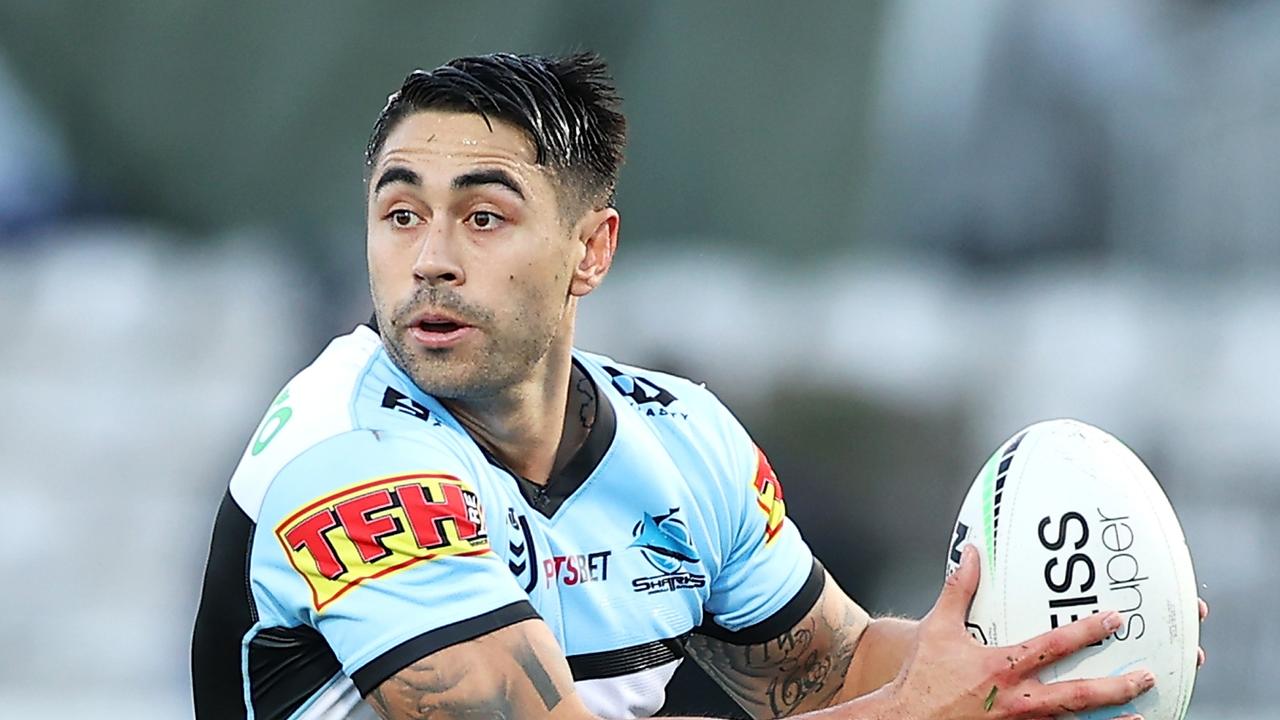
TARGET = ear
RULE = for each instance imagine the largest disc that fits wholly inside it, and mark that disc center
(598, 233)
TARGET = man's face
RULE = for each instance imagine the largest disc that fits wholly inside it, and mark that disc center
(470, 261)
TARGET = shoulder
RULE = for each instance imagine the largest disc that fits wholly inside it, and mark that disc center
(697, 430)
(394, 511)
(328, 413)
(660, 394)
(364, 460)
(730, 480)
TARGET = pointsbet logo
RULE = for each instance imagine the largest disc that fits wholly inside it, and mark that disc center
(769, 497)
(379, 527)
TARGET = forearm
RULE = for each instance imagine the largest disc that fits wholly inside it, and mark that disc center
(880, 654)
(834, 654)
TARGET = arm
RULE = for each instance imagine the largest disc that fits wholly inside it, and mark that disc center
(518, 672)
(835, 653)
(933, 669)
(882, 652)
(818, 672)
(515, 673)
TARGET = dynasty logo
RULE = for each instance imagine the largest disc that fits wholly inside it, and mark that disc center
(393, 399)
(665, 543)
(649, 398)
(380, 527)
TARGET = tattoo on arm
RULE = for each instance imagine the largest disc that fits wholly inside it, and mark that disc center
(800, 670)
(469, 688)
(537, 674)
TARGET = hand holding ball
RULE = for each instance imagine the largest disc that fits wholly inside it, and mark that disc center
(1068, 522)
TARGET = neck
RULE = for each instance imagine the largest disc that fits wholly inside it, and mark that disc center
(535, 426)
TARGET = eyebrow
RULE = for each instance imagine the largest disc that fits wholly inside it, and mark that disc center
(397, 174)
(494, 176)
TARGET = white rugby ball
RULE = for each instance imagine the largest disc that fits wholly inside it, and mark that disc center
(1067, 522)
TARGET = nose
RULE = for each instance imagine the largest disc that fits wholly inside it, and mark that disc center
(437, 262)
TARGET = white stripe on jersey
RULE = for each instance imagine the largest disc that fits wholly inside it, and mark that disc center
(639, 694)
(339, 701)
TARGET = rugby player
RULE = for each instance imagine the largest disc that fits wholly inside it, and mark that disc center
(454, 513)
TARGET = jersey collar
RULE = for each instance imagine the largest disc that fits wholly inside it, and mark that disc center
(547, 499)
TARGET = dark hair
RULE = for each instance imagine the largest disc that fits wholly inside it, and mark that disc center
(567, 105)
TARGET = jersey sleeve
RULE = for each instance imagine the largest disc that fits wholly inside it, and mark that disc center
(379, 542)
(768, 580)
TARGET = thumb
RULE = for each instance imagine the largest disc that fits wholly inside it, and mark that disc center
(953, 604)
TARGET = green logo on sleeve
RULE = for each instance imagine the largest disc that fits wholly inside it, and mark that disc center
(274, 423)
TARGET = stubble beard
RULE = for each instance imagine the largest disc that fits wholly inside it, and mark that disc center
(486, 365)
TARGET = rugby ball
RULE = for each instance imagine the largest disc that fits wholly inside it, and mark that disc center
(1068, 521)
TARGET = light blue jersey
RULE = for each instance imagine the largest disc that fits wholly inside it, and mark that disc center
(379, 532)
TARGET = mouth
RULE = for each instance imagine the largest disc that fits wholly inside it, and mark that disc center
(437, 331)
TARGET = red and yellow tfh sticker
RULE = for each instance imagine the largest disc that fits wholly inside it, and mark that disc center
(379, 527)
(769, 497)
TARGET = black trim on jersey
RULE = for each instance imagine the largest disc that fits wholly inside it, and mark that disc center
(410, 651)
(778, 623)
(226, 613)
(624, 661)
(530, 563)
(548, 499)
(287, 666)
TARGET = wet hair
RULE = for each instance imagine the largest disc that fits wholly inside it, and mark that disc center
(567, 106)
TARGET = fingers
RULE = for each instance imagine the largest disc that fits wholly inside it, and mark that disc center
(1058, 643)
(1073, 696)
(957, 593)
(1204, 613)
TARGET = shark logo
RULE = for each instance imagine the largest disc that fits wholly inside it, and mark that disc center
(665, 543)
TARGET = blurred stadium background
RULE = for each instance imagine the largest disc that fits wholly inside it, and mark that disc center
(888, 233)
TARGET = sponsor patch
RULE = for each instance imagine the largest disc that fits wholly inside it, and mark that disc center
(379, 527)
(769, 497)
(571, 570)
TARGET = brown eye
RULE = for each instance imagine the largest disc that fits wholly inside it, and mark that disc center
(485, 220)
(403, 218)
